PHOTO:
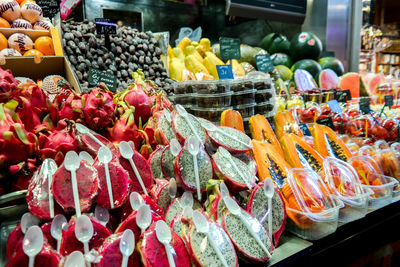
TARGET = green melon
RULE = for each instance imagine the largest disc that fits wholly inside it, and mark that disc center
(305, 45)
(248, 53)
(332, 63)
(281, 59)
(309, 65)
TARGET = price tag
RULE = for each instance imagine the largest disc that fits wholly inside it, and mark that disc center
(304, 129)
(327, 122)
(334, 106)
(229, 48)
(364, 105)
(343, 96)
(264, 63)
(389, 101)
(96, 76)
(225, 71)
(49, 7)
(105, 26)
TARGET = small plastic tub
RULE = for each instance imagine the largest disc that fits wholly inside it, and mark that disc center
(241, 85)
(185, 99)
(214, 100)
(327, 95)
(246, 125)
(245, 110)
(211, 87)
(181, 88)
(211, 114)
(382, 194)
(263, 108)
(263, 84)
(264, 95)
(244, 97)
(313, 97)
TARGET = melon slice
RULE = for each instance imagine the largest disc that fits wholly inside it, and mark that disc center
(304, 81)
(351, 81)
(328, 79)
(374, 81)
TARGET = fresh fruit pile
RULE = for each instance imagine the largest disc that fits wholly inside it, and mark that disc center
(129, 50)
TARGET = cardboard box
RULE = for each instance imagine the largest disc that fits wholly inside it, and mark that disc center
(49, 65)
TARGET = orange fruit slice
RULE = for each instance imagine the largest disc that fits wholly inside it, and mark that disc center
(4, 23)
(3, 42)
(45, 45)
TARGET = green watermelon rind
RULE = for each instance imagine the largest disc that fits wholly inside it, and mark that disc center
(309, 65)
(332, 63)
(300, 47)
(281, 59)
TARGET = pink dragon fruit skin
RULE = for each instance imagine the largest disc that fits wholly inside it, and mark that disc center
(35, 95)
(255, 208)
(25, 112)
(144, 170)
(88, 183)
(69, 243)
(153, 253)
(87, 144)
(46, 230)
(120, 182)
(99, 109)
(46, 257)
(71, 107)
(127, 209)
(59, 142)
(22, 173)
(7, 84)
(110, 254)
(159, 192)
(38, 197)
(14, 242)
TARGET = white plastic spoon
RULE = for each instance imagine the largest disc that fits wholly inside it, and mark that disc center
(84, 231)
(269, 193)
(167, 115)
(33, 243)
(225, 153)
(83, 155)
(172, 188)
(203, 226)
(85, 130)
(104, 156)
(187, 212)
(143, 217)
(186, 200)
(174, 147)
(193, 147)
(101, 214)
(72, 163)
(75, 259)
(126, 151)
(182, 111)
(163, 233)
(126, 246)
(212, 128)
(50, 168)
(234, 208)
(136, 200)
(223, 190)
(28, 220)
(58, 224)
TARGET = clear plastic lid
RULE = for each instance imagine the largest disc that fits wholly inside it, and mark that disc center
(312, 195)
(343, 181)
(214, 95)
(245, 92)
(367, 169)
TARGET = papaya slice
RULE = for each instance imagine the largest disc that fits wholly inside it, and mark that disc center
(299, 154)
(261, 130)
(327, 143)
(286, 124)
(232, 118)
(270, 163)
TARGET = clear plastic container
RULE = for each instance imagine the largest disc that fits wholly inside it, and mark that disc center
(245, 110)
(214, 100)
(312, 210)
(244, 97)
(241, 85)
(185, 99)
(343, 182)
(211, 86)
(382, 193)
(211, 114)
(181, 88)
(263, 108)
(262, 84)
(264, 95)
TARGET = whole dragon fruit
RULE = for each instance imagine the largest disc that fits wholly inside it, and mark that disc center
(70, 106)
(35, 95)
(14, 241)
(88, 144)
(99, 108)
(24, 109)
(59, 142)
(21, 173)
(16, 144)
(7, 84)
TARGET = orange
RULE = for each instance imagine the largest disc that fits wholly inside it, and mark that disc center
(3, 42)
(22, 2)
(4, 23)
(45, 45)
(33, 52)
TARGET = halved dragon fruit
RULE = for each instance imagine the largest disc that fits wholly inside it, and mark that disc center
(127, 208)
(184, 169)
(160, 193)
(46, 230)
(88, 184)
(46, 257)
(236, 180)
(216, 204)
(120, 182)
(143, 168)
(233, 140)
(87, 144)
(258, 207)
(184, 130)
(249, 160)
(167, 163)
(155, 162)
(14, 241)
(175, 208)
(246, 245)
(110, 254)
(69, 242)
(203, 253)
(153, 252)
(38, 196)
(181, 222)
(164, 132)
(130, 223)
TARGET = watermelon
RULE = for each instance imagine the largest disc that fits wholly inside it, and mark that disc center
(305, 45)
(275, 43)
(363, 89)
(332, 63)
(304, 81)
(374, 81)
(309, 65)
(267, 40)
(350, 81)
(328, 79)
(248, 53)
(281, 59)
